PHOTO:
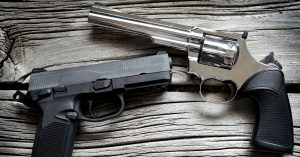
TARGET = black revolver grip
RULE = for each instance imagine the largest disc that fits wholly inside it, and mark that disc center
(56, 139)
(274, 125)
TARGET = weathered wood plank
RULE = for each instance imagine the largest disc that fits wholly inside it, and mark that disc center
(55, 34)
(164, 124)
(5, 48)
(62, 35)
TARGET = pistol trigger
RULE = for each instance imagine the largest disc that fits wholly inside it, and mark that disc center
(121, 99)
(90, 102)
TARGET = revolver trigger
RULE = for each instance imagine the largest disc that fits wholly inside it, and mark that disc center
(232, 91)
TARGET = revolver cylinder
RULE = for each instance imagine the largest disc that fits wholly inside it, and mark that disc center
(211, 50)
(218, 52)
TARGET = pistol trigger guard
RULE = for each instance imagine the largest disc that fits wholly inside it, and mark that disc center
(96, 118)
(121, 103)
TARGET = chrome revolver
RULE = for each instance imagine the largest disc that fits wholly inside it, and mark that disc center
(221, 56)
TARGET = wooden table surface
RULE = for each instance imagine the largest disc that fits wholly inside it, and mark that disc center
(55, 34)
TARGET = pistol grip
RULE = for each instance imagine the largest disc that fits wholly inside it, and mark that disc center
(274, 125)
(55, 140)
(57, 129)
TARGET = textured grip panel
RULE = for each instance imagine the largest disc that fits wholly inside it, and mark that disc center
(274, 125)
(55, 140)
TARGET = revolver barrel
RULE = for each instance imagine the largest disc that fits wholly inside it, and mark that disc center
(160, 32)
(206, 48)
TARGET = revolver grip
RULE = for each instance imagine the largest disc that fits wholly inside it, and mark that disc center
(274, 125)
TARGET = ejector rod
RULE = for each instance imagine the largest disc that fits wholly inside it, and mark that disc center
(163, 33)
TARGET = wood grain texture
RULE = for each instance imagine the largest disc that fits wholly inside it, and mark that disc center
(163, 124)
(55, 34)
(48, 34)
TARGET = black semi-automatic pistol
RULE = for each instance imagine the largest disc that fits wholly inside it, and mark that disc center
(217, 57)
(61, 95)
